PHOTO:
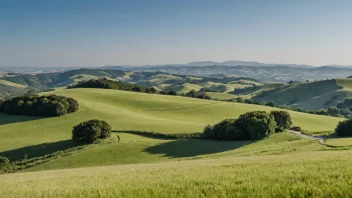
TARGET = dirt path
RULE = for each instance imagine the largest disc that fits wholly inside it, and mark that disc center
(319, 138)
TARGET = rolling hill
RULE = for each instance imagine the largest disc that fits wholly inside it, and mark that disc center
(138, 112)
(19, 84)
(310, 95)
(150, 167)
(268, 74)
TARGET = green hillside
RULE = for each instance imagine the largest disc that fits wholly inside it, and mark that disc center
(183, 88)
(221, 96)
(135, 111)
(308, 96)
(221, 87)
(152, 164)
(345, 83)
(160, 80)
(293, 174)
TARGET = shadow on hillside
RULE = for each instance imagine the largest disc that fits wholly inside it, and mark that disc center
(38, 150)
(192, 148)
(9, 119)
(162, 136)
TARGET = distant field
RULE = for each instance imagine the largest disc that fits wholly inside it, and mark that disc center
(222, 96)
(12, 84)
(183, 88)
(345, 83)
(220, 87)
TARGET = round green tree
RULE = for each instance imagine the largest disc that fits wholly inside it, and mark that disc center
(90, 131)
(256, 125)
(283, 120)
(344, 128)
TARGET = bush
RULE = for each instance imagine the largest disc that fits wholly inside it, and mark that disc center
(4, 163)
(256, 125)
(249, 101)
(90, 131)
(344, 128)
(172, 93)
(282, 119)
(296, 128)
(250, 126)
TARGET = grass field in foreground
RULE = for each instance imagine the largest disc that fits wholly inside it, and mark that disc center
(308, 174)
(133, 149)
(135, 111)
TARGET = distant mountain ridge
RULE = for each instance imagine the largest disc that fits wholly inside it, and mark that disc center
(213, 63)
(262, 73)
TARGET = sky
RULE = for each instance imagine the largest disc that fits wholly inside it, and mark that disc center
(141, 32)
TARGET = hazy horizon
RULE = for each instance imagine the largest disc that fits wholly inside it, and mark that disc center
(94, 33)
(92, 66)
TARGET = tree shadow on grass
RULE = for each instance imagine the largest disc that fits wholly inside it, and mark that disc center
(9, 119)
(38, 150)
(192, 148)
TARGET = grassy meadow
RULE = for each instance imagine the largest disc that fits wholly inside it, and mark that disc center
(309, 174)
(137, 166)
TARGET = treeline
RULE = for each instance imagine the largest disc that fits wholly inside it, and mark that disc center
(197, 94)
(192, 94)
(104, 83)
(34, 105)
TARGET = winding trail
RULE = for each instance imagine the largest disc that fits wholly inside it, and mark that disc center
(319, 138)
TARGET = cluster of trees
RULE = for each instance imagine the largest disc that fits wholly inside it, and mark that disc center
(249, 126)
(170, 93)
(250, 101)
(90, 131)
(193, 94)
(34, 105)
(197, 94)
(110, 84)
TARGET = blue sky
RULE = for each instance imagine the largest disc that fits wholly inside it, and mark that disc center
(140, 32)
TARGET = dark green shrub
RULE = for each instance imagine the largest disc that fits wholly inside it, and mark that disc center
(172, 93)
(105, 130)
(197, 94)
(90, 131)
(240, 100)
(249, 101)
(256, 125)
(344, 128)
(283, 120)
(249, 126)
(296, 128)
(73, 105)
(224, 130)
(4, 163)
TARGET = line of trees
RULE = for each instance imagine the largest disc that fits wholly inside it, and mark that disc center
(34, 105)
(197, 94)
(110, 84)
